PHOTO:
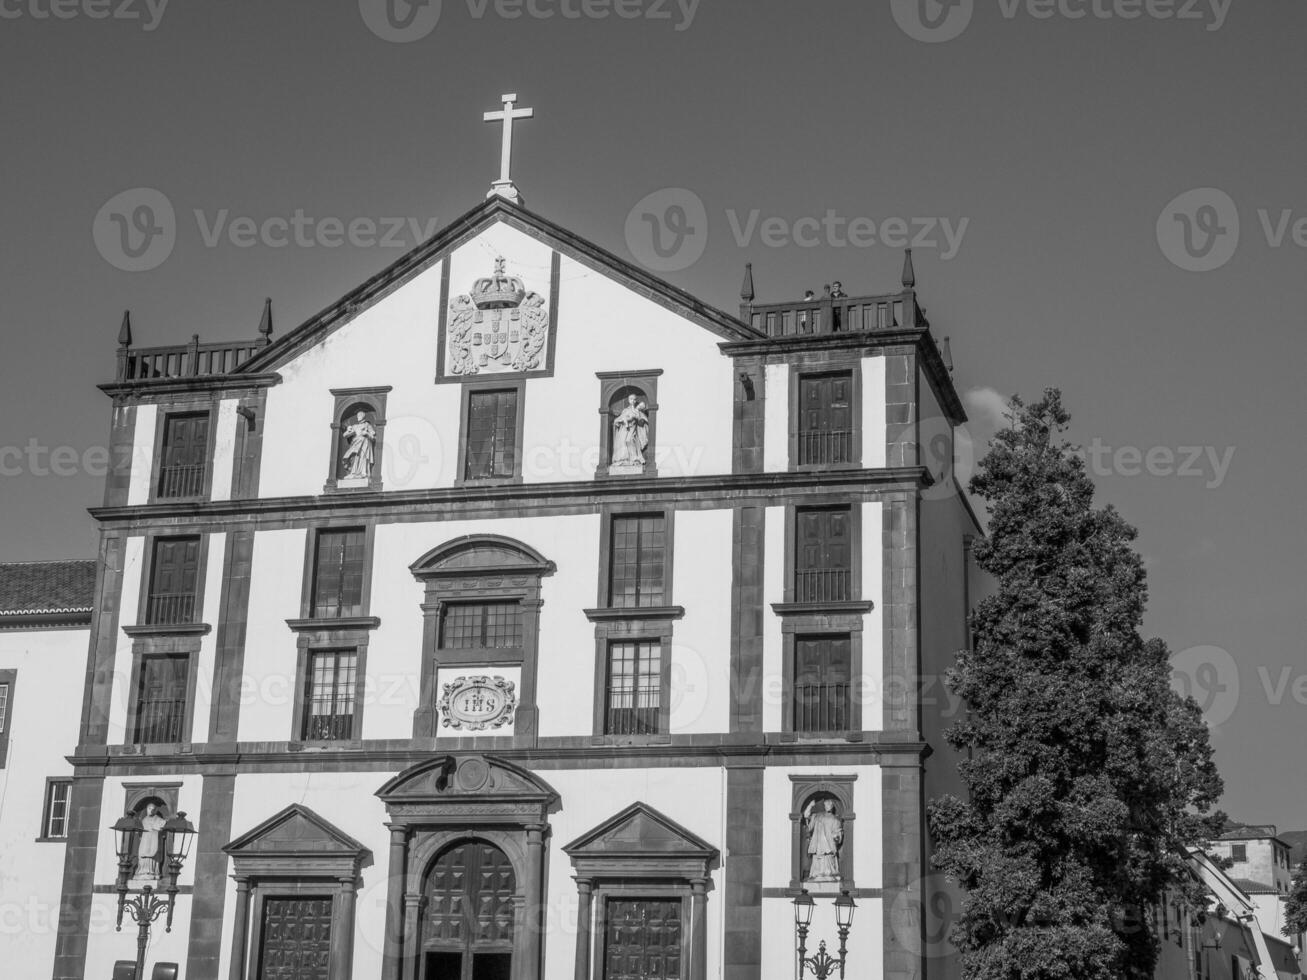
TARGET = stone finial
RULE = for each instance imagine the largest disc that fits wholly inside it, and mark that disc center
(125, 331)
(948, 355)
(265, 325)
(909, 273)
(746, 291)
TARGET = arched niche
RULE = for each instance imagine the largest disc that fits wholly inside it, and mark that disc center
(811, 795)
(487, 570)
(615, 391)
(350, 403)
(434, 806)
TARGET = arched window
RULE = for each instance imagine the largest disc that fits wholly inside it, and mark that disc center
(482, 613)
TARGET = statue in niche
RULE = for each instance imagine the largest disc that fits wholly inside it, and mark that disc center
(630, 436)
(359, 454)
(825, 835)
(149, 852)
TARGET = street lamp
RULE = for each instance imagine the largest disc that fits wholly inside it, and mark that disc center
(822, 964)
(175, 839)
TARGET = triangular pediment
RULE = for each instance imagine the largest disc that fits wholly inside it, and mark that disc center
(640, 830)
(442, 245)
(296, 829)
(469, 780)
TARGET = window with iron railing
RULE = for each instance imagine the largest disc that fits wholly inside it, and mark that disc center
(161, 700)
(174, 582)
(184, 455)
(329, 700)
(822, 690)
(338, 570)
(638, 562)
(825, 434)
(823, 555)
(634, 689)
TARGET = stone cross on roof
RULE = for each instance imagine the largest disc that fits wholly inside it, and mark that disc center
(504, 185)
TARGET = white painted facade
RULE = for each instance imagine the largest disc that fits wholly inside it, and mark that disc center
(727, 766)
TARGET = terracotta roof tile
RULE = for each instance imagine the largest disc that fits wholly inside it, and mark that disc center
(46, 587)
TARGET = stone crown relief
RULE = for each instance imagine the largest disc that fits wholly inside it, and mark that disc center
(498, 327)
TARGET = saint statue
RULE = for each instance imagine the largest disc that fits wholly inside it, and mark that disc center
(358, 458)
(825, 834)
(631, 435)
(149, 852)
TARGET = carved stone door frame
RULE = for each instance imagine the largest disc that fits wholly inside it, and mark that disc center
(465, 797)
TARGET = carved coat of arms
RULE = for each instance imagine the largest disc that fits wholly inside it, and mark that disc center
(498, 327)
(478, 703)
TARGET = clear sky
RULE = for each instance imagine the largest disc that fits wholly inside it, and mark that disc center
(1051, 146)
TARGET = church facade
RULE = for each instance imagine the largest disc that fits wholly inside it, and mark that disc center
(522, 616)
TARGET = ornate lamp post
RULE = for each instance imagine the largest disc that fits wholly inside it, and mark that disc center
(175, 838)
(822, 964)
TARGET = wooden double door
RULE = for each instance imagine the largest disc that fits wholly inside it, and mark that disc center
(468, 932)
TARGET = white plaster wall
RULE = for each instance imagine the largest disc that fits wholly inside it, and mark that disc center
(105, 946)
(773, 706)
(138, 486)
(207, 655)
(43, 724)
(776, 419)
(224, 448)
(701, 642)
(130, 598)
(268, 678)
(936, 436)
(873, 412)
(602, 327)
(874, 682)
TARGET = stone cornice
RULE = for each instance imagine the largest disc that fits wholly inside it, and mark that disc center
(156, 388)
(542, 497)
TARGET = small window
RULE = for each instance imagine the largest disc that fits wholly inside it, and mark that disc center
(338, 573)
(491, 435)
(174, 582)
(481, 626)
(1239, 852)
(7, 679)
(823, 690)
(639, 562)
(184, 455)
(825, 430)
(329, 701)
(54, 820)
(161, 700)
(823, 555)
(635, 689)
(4, 708)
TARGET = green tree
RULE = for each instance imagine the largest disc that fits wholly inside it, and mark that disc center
(1295, 906)
(1087, 775)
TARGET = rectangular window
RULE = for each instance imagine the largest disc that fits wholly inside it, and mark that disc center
(481, 626)
(54, 821)
(635, 694)
(174, 582)
(825, 435)
(4, 707)
(338, 568)
(642, 938)
(7, 680)
(491, 435)
(638, 573)
(161, 699)
(823, 690)
(1239, 852)
(329, 698)
(184, 455)
(823, 555)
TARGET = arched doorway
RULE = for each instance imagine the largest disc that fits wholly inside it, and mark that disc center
(469, 914)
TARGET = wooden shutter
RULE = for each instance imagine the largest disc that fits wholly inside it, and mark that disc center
(823, 690)
(823, 555)
(174, 581)
(825, 419)
(185, 455)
